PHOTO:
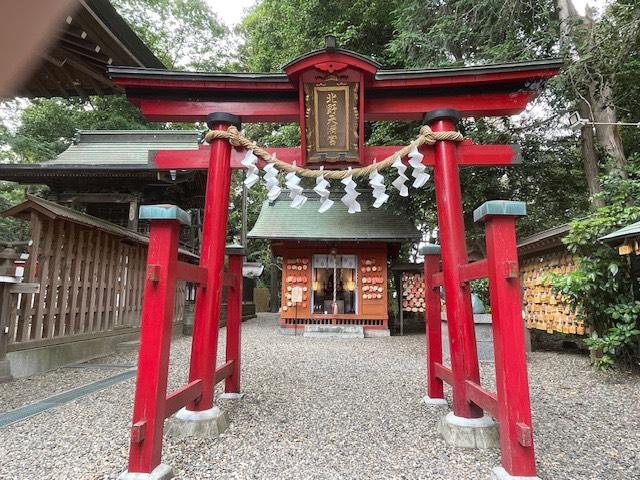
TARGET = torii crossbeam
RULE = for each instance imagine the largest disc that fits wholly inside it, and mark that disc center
(357, 90)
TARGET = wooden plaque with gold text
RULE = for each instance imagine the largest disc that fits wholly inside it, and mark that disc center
(331, 114)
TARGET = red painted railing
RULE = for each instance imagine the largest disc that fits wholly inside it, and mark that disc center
(510, 403)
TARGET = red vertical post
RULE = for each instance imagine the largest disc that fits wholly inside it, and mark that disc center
(433, 321)
(234, 318)
(155, 341)
(462, 340)
(204, 345)
(512, 389)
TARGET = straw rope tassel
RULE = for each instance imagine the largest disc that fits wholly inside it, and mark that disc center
(236, 139)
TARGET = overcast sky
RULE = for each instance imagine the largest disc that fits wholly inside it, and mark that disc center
(231, 11)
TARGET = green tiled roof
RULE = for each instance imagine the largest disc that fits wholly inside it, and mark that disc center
(123, 147)
(278, 221)
(632, 230)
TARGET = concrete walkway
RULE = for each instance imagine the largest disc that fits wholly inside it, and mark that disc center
(328, 409)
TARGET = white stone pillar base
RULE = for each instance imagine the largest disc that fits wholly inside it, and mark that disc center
(434, 402)
(499, 473)
(469, 432)
(203, 424)
(161, 472)
(230, 396)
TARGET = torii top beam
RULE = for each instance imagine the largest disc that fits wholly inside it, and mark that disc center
(331, 93)
(491, 90)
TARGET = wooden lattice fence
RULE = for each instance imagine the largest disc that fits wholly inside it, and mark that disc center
(91, 277)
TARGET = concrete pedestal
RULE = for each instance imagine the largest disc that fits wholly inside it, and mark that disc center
(204, 424)
(469, 432)
(434, 402)
(161, 472)
(5, 371)
(484, 337)
(499, 473)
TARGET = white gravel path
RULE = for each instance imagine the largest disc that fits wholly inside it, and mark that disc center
(337, 409)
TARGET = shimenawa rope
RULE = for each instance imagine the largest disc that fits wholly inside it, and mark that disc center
(426, 137)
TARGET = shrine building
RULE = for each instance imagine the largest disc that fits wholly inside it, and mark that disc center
(334, 264)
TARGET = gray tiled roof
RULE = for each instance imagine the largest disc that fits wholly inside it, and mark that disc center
(278, 221)
(123, 147)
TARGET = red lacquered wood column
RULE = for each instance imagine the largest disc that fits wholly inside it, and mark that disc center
(462, 341)
(155, 341)
(207, 309)
(234, 318)
(512, 388)
(433, 322)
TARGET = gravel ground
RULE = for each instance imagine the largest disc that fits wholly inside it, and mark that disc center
(337, 409)
(36, 387)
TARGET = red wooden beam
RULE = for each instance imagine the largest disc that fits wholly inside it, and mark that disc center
(182, 396)
(399, 108)
(254, 111)
(413, 107)
(174, 84)
(443, 372)
(223, 371)
(482, 397)
(474, 270)
(470, 155)
(437, 279)
(191, 273)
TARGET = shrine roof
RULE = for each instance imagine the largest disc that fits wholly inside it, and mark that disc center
(123, 147)
(629, 231)
(278, 221)
(100, 150)
(93, 37)
(117, 161)
(546, 240)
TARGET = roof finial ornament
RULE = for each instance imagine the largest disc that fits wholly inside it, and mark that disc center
(330, 42)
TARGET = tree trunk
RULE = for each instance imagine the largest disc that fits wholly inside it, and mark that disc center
(596, 105)
(608, 135)
(590, 157)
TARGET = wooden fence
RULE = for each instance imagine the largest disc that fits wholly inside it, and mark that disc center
(91, 277)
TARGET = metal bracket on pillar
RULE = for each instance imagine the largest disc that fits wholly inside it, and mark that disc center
(153, 273)
(511, 270)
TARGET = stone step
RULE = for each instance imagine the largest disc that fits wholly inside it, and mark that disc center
(333, 331)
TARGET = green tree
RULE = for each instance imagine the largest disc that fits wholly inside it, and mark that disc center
(463, 32)
(183, 34)
(277, 31)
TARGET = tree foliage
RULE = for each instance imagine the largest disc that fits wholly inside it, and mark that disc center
(277, 31)
(183, 34)
(462, 32)
(601, 287)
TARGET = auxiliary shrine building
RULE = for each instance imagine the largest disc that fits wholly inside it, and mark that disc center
(334, 264)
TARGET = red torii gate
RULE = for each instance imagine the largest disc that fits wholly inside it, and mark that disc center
(366, 93)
